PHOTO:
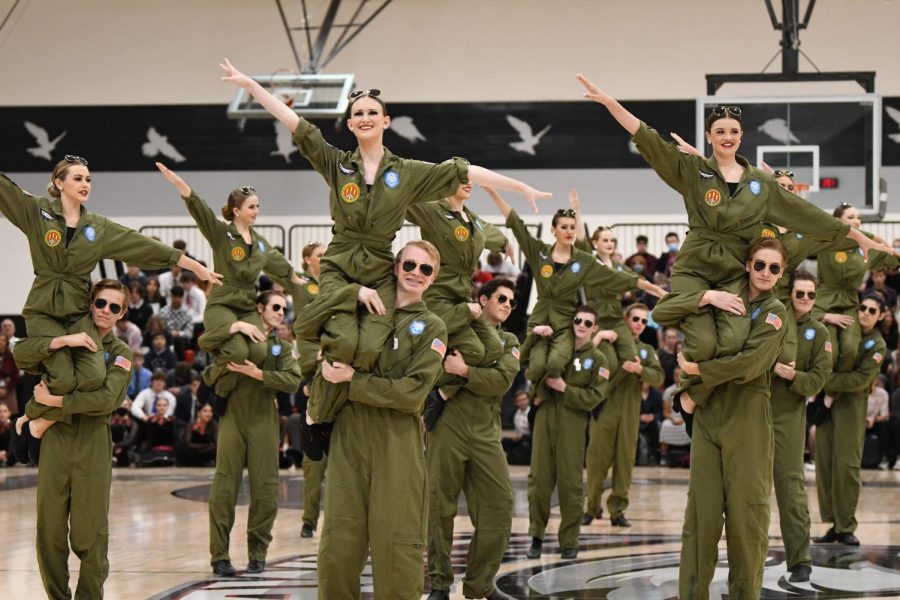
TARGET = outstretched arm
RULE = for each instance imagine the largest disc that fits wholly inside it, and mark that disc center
(183, 188)
(487, 178)
(575, 204)
(276, 107)
(502, 205)
(627, 120)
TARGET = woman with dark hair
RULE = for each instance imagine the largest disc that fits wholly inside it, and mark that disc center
(154, 298)
(139, 310)
(199, 446)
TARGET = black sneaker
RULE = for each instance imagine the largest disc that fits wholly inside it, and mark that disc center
(498, 595)
(306, 531)
(847, 539)
(588, 518)
(620, 521)
(830, 537)
(223, 568)
(536, 547)
(256, 566)
(569, 553)
(800, 573)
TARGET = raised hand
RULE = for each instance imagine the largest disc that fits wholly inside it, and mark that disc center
(183, 188)
(532, 196)
(684, 147)
(232, 75)
(592, 92)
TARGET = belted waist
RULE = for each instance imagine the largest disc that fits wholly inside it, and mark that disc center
(349, 236)
(244, 287)
(75, 280)
(717, 236)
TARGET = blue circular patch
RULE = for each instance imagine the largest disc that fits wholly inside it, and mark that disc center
(262, 247)
(391, 178)
(755, 313)
(755, 187)
(643, 354)
(588, 363)
(90, 233)
(276, 349)
(869, 344)
(809, 334)
(417, 327)
(576, 267)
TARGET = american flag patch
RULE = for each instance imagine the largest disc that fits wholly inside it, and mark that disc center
(603, 372)
(516, 353)
(877, 356)
(123, 362)
(439, 347)
(773, 320)
(827, 346)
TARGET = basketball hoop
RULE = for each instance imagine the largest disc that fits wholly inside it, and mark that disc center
(801, 189)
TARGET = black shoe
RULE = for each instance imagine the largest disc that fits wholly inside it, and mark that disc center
(439, 595)
(434, 406)
(306, 531)
(20, 443)
(315, 440)
(587, 519)
(498, 595)
(847, 539)
(620, 521)
(569, 553)
(800, 573)
(295, 455)
(256, 566)
(830, 537)
(223, 568)
(536, 547)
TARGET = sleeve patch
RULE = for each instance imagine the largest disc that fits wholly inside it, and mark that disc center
(123, 362)
(439, 347)
(774, 320)
(603, 372)
(827, 346)
(516, 353)
(877, 357)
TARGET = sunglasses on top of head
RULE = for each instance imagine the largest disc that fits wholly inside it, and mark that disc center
(373, 93)
(76, 159)
(726, 111)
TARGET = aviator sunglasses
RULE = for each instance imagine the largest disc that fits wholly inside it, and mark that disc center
(759, 265)
(724, 111)
(373, 93)
(503, 299)
(587, 322)
(635, 319)
(76, 159)
(869, 309)
(410, 265)
(100, 304)
(800, 295)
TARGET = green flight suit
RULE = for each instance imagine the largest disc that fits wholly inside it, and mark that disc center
(810, 348)
(557, 298)
(375, 492)
(239, 264)
(460, 242)
(841, 273)
(248, 437)
(839, 440)
(464, 453)
(557, 444)
(614, 434)
(75, 473)
(713, 254)
(366, 220)
(60, 292)
(313, 475)
(731, 461)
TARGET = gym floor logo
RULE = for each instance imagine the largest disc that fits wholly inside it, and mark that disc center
(838, 572)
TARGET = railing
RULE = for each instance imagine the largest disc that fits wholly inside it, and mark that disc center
(197, 245)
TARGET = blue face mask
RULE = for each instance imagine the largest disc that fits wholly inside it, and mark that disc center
(673, 247)
(638, 268)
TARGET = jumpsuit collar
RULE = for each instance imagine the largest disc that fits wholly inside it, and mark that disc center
(714, 167)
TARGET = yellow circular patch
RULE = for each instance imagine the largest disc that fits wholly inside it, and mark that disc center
(350, 193)
(461, 233)
(312, 289)
(547, 271)
(52, 238)
(768, 233)
(713, 197)
(238, 254)
(840, 257)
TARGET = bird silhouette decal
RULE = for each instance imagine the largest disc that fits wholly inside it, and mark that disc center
(778, 130)
(284, 142)
(894, 114)
(406, 128)
(528, 140)
(159, 144)
(44, 144)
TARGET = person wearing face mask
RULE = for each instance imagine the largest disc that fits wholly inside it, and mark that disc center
(667, 259)
(360, 253)
(648, 262)
(840, 438)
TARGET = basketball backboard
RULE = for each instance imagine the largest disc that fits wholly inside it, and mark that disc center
(312, 96)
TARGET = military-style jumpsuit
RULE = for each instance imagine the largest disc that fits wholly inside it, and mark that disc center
(248, 437)
(557, 298)
(366, 219)
(557, 447)
(721, 227)
(60, 292)
(375, 492)
(76, 473)
(614, 433)
(239, 264)
(839, 440)
(463, 453)
(805, 342)
(460, 242)
(840, 275)
(731, 459)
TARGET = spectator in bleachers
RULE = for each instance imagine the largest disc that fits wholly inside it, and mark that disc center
(194, 298)
(888, 328)
(179, 322)
(479, 278)
(651, 418)
(187, 402)
(160, 438)
(168, 281)
(672, 432)
(667, 259)
(7, 456)
(160, 356)
(649, 263)
(199, 447)
(878, 283)
(139, 310)
(156, 325)
(182, 245)
(140, 376)
(878, 414)
(496, 265)
(9, 376)
(153, 297)
(179, 377)
(129, 333)
(8, 328)
(124, 432)
(133, 274)
(668, 354)
(518, 444)
(144, 406)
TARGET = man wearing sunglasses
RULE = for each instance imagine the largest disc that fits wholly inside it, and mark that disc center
(464, 452)
(558, 438)
(614, 432)
(801, 371)
(76, 473)
(839, 440)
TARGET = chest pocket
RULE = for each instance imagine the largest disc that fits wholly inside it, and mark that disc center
(401, 346)
(581, 371)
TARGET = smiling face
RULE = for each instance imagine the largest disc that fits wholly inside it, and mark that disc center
(851, 217)
(272, 312)
(75, 184)
(463, 192)
(367, 120)
(763, 280)
(564, 231)
(724, 136)
(414, 282)
(248, 212)
(605, 243)
(205, 414)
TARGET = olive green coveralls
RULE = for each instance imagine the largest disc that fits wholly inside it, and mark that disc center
(464, 453)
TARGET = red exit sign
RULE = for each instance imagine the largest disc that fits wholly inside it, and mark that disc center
(829, 183)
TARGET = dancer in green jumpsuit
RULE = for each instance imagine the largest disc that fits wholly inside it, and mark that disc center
(796, 380)
(614, 434)
(732, 447)
(557, 452)
(839, 440)
(371, 504)
(463, 453)
(75, 471)
(248, 436)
